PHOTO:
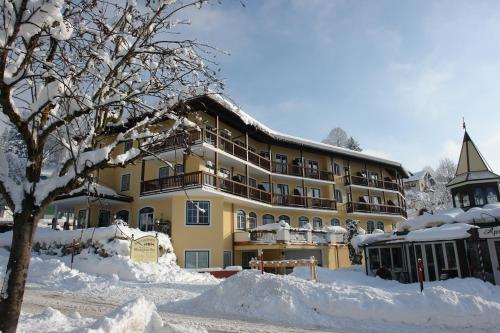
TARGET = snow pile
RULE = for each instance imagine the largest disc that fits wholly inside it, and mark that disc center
(273, 226)
(431, 220)
(335, 229)
(487, 213)
(133, 317)
(359, 240)
(349, 296)
(107, 241)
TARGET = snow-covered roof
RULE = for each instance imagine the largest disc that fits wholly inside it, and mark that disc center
(472, 166)
(95, 190)
(417, 176)
(250, 121)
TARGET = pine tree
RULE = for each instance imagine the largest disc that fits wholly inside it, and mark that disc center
(352, 144)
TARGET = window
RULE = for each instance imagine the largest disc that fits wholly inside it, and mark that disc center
(127, 145)
(252, 182)
(317, 223)
(163, 172)
(267, 219)
(284, 218)
(196, 259)
(122, 215)
(281, 163)
(491, 195)
(370, 226)
(335, 222)
(479, 197)
(228, 258)
(336, 169)
(380, 225)
(338, 196)
(197, 212)
(146, 219)
(241, 220)
(315, 192)
(252, 220)
(303, 221)
(178, 169)
(125, 184)
(82, 219)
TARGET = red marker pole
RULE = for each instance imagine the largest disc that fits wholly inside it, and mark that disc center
(420, 267)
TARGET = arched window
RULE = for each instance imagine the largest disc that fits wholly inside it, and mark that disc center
(122, 215)
(380, 225)
(252, 220)
(303, 220)
(335, 222)
(284, 218)
(317, 223)
(370, 226)
(146, 222)
(241, 220)
(267, 218)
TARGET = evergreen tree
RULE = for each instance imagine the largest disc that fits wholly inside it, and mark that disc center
(352, 144)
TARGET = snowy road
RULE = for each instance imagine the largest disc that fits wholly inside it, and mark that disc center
(36, 300)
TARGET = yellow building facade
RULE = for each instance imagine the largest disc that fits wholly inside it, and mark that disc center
(236, 176)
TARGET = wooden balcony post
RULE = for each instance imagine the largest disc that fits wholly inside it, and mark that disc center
(217, 131)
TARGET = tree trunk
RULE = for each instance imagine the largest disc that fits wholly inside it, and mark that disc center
(11, 296)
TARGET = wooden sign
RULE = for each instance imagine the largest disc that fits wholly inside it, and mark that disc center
(491, 232)
(144, 249)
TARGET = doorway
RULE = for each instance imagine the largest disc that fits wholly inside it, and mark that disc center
(494, 247)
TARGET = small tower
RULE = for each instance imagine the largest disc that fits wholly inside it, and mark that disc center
(474, 185)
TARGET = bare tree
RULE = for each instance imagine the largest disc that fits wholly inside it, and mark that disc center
(79, 78)
(353, 144)
(337, 137)
(446, 170)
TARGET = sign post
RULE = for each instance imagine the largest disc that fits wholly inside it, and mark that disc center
(144, 249)
(420, 273)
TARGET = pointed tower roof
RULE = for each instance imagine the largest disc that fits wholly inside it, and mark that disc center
(472, 167)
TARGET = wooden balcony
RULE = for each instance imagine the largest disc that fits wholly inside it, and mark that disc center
(198, 179)
(299, 171)
(183, 140)
(364, 181)
(361, 207)
(304, 202)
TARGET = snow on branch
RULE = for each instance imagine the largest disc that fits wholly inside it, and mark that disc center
(77, 79)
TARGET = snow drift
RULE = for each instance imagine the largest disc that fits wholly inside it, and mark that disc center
(137, 316)
(346, 295)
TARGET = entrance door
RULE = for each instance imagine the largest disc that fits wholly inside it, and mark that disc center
(104, 218)
(494, 246)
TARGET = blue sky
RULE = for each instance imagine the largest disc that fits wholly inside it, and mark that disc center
(397, 75)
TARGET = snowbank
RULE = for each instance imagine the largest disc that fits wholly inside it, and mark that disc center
(346, 297)
(112, 240)
(431, 220)
(133, 317)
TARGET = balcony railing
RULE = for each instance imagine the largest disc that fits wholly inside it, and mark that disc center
(361, 207)
(200, 178)
(304, 202)
(300, 171)
(293, 236)
(364, 181)
(183, 140)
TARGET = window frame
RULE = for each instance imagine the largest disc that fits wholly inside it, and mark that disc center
(122, 189)
(252, 216)
(224, 258)
(316, 219)
(337, 224)
(302, 219)
(197, 251)
(380, 223)
(370, 226)
(163, 168)
(139, 217)
(241, 213)
(197, 202)
(126, 146)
